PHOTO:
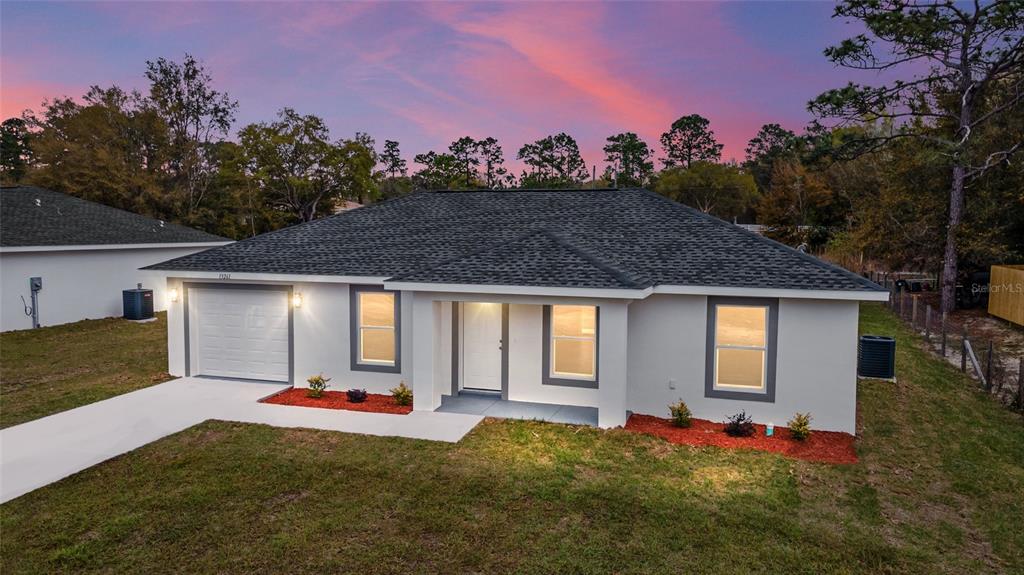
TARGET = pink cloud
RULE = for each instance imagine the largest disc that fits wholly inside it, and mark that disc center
(16, 98)
(564, 46)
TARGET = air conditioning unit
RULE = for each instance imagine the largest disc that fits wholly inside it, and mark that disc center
(876, 357)
(138, 303)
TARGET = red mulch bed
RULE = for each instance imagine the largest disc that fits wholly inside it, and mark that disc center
(375, 402)
(821, 446)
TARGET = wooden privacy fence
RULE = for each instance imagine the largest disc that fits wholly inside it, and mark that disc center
(978, 358)
(1006, 293)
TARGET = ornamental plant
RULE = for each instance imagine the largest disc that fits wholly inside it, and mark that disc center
(740, 425)
(356, 395)
(402, 394)
(317, 385)
(681, 416)
(800, 426)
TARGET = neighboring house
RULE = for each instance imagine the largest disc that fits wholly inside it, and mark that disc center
(618, 300)
(346, 205)
(85, 253)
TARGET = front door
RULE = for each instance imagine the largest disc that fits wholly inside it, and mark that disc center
(481, 346)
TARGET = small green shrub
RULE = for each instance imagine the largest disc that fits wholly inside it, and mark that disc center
(800, 426)
(317, 385)
(681, 416)
(402, 394)
(740, 425)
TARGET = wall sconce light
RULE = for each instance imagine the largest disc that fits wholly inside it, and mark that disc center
(296, 300)
(173, 294)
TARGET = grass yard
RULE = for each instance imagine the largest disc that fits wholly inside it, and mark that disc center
(54, 369)
(938, 490)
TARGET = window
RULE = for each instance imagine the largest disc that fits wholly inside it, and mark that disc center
(570, 347)
(741, 348)
(375, 329)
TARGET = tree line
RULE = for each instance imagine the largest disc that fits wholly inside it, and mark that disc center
(915, 174)
(168, 153)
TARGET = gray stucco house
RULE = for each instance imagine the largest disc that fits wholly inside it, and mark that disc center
(616, 300)
(83, 254)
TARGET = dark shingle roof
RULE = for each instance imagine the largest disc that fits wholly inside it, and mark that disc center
(583, 238)
(537, 258)
(36, 217)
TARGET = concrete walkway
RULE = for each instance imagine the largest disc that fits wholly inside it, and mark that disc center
(40, 452)
(492, 406)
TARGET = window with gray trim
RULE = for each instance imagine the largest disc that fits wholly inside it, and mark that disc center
(375, 329)
(741, 348)
(570, 351)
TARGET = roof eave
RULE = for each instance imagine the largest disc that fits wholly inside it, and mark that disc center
(97, 247)
(789, 293)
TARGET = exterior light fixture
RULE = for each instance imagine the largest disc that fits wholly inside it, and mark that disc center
(296, 300)
(173, 294)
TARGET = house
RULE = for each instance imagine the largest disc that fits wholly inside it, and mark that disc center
(83, 255)
(346, 205)
(614, 300)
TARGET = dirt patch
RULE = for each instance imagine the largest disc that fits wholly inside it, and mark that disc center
(375, 402)
(821, 446)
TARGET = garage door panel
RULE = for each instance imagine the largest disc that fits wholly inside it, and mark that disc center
(241, 333)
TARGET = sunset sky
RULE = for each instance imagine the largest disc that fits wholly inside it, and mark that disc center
(426, 74)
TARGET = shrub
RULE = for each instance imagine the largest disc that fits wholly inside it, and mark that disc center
(356, 395)
(800, 426)
(402, 394)
(317, 385)
(681, 416)
(740, 425)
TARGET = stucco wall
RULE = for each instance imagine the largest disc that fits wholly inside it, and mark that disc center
(525, 330)
(321, 339)
(816, 369)
(78, 285)
(816, 372)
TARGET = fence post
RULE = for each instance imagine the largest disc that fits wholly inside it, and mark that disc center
(988, 367)
(963, 351)
(1020, 386)
(928, 324)
(913, 312)
(943, 334)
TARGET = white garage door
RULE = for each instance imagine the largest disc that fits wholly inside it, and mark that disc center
(240, 333)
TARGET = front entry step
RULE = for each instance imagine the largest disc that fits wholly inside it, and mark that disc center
(489, 406)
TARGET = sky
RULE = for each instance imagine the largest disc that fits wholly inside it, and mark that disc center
(426, 74)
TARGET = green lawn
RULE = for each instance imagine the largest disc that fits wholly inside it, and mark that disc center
(938, 491)
(53, 369)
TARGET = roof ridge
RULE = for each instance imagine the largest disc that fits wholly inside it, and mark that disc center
(766, 240)
(616, 273)
(625, 276)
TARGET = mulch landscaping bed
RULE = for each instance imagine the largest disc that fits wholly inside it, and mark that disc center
(375, 402)
(821, 446)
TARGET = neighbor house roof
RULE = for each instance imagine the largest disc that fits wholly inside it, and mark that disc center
(559, 238)
(32, 216)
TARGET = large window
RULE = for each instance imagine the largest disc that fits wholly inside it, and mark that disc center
(375, 329)
(741, 347)
(571, 345)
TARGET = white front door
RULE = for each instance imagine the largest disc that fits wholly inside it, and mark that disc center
(481, 346)
(240, 333)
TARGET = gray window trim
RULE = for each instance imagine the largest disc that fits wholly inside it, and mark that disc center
(547, 379)
(186, 286)
(768, 395)
(455, 347)
(353, 330)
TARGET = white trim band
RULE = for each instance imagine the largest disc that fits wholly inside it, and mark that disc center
(94, 247)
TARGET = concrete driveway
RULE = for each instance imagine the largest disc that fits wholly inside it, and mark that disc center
(40, 452)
